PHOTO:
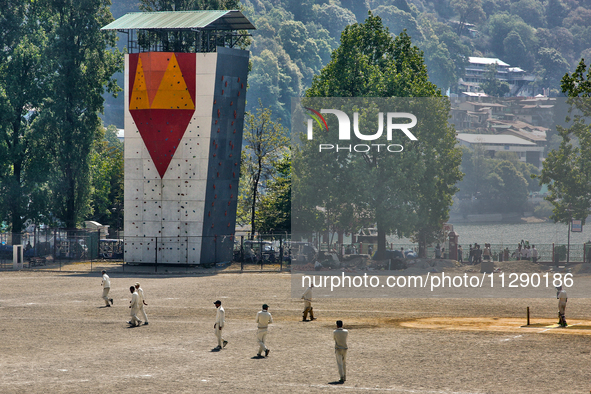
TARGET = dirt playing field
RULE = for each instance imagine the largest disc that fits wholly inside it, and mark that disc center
(57, 337)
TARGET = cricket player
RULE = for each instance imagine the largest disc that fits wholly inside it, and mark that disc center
(140, 292)
(106, 283)
(307, 297)
(135, 307)
(264, 318)
(340, 349)
(562, 298)
(220, 319)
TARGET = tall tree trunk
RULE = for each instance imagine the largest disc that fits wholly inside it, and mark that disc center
(15, 202)
(15, 188)
(422, 244)
(381, 252)
(255, 187)
(16, 219)
(70, 217)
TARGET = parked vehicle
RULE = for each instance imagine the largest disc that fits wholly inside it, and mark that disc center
(302, 251)
(255, 251)
(111, 248)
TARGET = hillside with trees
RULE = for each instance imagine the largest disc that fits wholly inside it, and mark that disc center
(294, 39)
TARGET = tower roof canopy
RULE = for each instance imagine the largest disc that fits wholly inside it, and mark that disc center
(182, 20)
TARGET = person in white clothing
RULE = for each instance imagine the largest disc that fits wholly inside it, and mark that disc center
(220, 319)
(140, 292)
(307, 297)
(264, 318)
(106, 283)
(534, 253)
(135, 307)
(562, 298)
(340, 349)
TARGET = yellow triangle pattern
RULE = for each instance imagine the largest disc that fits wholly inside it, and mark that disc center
(172, 92)
(139, 96)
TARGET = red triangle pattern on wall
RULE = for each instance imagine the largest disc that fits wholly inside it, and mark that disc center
(168, 81)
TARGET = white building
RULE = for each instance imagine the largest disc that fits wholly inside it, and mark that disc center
(517, 78)
(526, 151)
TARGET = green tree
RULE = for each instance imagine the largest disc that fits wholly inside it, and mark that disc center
(274, 214)
(526, 169)
(511, 190)
(446, 55)
(468, 11)
(555, 13)
(514, 48)
(531, 11)
(492, 85)
(106, 173)
(397, 20)
(440, 65)
(333, 18)
(370, 63)
(578, 84)
(567, 170)
(558, 38)
(500, 25)
(458, 50)
(476, 166)
(302, 49)
(265, 80)
(552, 67)
(265, 140)
(23, 74)
(81, 69)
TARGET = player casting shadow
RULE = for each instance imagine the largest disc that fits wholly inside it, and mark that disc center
(257, 357)
(336, 382)
(215, 350)
(103, 307)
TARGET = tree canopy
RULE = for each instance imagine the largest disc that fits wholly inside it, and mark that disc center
(567, 170)
(354, 188)
(55, 69)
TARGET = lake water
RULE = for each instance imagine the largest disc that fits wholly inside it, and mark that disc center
(509, 234)
(535, 233)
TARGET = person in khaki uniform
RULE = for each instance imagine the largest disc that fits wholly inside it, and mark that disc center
(220, 320)
(307, 297)
(264, 318)
(142, 302)
(106, 283)
(135, 307)
(340, 349)
(562, 298)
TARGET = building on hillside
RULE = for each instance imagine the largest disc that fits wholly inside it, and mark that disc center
(520, 81)
(526, 151)
(535, 134)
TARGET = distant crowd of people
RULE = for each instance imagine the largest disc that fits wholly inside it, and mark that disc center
(476, 255)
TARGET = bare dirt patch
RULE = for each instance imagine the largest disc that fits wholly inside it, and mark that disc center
(57, 338)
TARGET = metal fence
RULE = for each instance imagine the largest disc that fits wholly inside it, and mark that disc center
(265, 252)
(55, 248)
(80, 249)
